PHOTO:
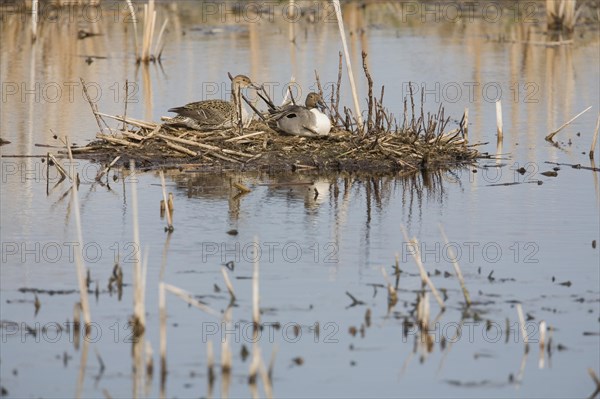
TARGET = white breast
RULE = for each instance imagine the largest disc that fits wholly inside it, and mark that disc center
(322, 122)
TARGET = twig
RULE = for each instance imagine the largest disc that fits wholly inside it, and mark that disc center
(551, 135)
(63, 172)
(245, 136)
(228, 284)
(499, 120)
(595, 139)
(417, 257)
(92, 105)
(105, 170)
(169, 227)
(370, 95)
(456, 268)
(187, 297)
(181, 149)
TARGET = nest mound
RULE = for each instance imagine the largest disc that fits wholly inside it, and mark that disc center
(258, 147)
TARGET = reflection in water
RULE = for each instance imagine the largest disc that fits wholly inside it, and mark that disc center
(335, 192)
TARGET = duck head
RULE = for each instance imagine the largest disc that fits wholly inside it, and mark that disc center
(314, 100)
(243, 81)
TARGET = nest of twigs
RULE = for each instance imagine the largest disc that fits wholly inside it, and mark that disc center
(380, 143)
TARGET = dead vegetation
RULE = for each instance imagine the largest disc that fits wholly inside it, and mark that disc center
(414, 141)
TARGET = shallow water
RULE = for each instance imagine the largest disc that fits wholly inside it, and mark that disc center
(530, 237)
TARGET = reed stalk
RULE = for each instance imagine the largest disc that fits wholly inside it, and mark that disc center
(139, 312)
(499, 120)
(465, 124)
(79, 262)
(255, 289)
(424, 277)
(595, 139)
(168, 208)
(187, 297)
(135, 34)
(463, 287)
(392, 295)
(523, 327)
(228, 284)
(34, 19)
(542, 343)
(552, 134)
(226, 356)
(338, 14)
(162, 309)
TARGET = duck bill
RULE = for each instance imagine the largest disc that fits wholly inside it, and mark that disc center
(321, 105)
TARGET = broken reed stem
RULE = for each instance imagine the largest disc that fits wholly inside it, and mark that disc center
(63, 172)
(595, 139)
(392, 295)
(255, 288)
(592, 374)
(338, 13)
(139, 312)
(168, 209)
(456, 268)
(228, 284)
(499, 120)
(79, 262)
(34, 19)
(187, 297)
(134, 20)
(370, 95)
(466, 124)
(125, 104)
(272, 362)
(92, 106)
(522, 324)
(552, 134)
(542, 343)
(105, 170)
(225, 351)
(417, 257)
(337, 91)
(149, 361)
(158, 47)
(162, 310)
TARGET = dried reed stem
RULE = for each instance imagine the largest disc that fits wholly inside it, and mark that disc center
(552, 134)
(595, 139)
(187, 297)
(168, 209)
(228, 284)
(255, 288)
(63, 172)
(465, 125)
(139, 312)
(592, 374)
(162, 310)
(424, 277)
(34, 19)
(542, 343)
(392, 295)
(338, 13)
(499, 120)
(370, 94)
(83, 291)
(135, 35)
(522, 324)
(456, 268)
(159, 46)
